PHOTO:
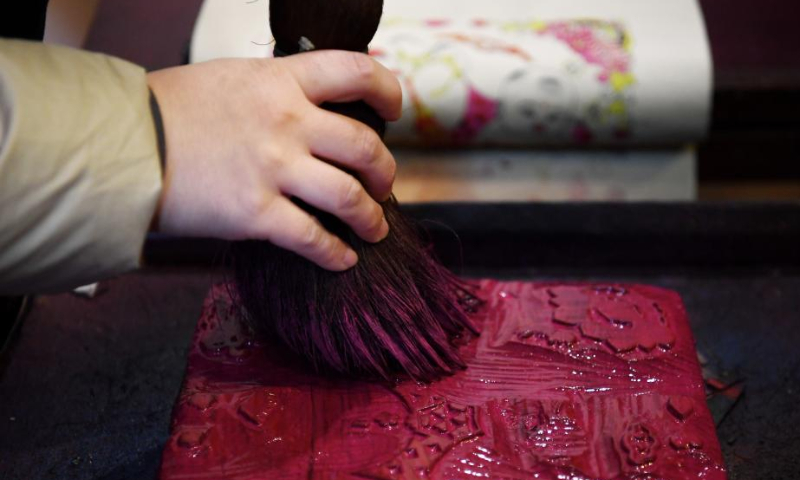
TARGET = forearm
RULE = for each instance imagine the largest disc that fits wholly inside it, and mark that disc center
(79, 167)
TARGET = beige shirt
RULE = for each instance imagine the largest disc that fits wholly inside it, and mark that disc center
(79, 167)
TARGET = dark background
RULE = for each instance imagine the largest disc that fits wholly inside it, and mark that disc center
(87, 387)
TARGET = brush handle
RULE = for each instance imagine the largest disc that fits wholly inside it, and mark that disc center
(359, 111)
(298, 25)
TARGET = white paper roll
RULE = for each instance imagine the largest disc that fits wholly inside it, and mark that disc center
(521, 72)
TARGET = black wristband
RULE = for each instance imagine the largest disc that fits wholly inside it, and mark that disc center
(159, 124)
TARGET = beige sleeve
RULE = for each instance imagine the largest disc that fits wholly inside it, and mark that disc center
(79, 167)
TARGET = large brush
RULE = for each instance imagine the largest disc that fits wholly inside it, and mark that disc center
(398, 310)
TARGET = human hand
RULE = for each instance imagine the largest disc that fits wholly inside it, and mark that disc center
(245, 135)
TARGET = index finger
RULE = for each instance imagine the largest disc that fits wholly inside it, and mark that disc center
(340, 76)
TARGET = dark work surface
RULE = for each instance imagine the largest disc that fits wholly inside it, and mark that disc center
(580, 236)
(87, 388)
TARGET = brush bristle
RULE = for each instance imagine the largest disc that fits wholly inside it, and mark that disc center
(398, 310)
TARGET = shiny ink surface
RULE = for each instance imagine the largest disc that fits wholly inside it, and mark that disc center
(565, 382)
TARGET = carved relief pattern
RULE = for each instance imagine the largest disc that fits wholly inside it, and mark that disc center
(586, 382)
(611, 317)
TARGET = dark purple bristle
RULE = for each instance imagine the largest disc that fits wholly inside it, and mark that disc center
(398, 310)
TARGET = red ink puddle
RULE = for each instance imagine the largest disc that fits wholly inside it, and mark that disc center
(570, 382)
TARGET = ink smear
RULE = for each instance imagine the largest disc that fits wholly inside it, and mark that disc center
(572, 381)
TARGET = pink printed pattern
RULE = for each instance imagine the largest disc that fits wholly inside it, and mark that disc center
(599, 43)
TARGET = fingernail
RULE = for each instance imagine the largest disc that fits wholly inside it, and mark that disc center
(384, 232)
(350, 258)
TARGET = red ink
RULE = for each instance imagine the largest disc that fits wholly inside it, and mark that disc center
(566, 381)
